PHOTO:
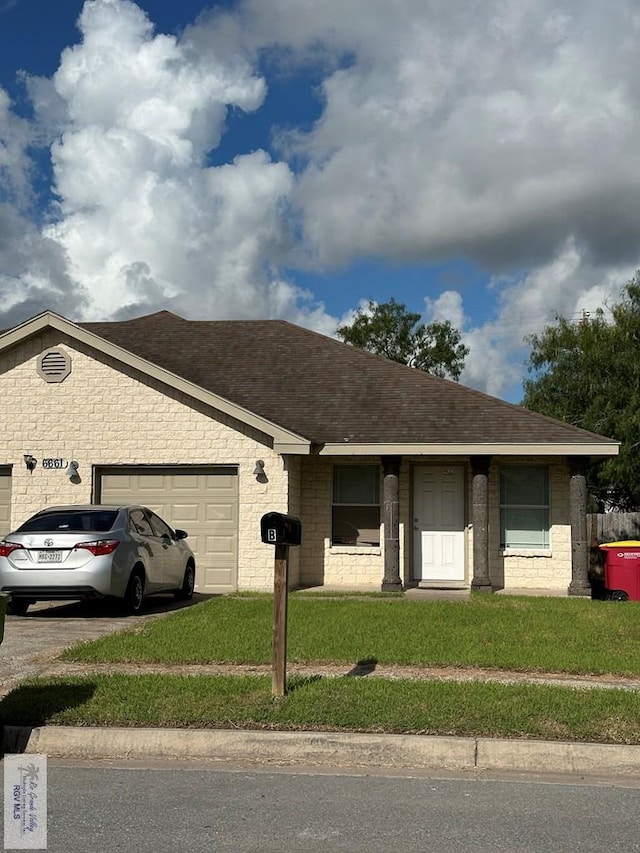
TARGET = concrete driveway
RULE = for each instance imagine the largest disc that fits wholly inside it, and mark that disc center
(33, 641)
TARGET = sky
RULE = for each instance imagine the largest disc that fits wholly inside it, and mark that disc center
(477, 160)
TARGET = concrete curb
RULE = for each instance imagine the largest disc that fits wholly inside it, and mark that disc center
(334, 749)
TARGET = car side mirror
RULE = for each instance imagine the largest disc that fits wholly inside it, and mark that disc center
(181, 534)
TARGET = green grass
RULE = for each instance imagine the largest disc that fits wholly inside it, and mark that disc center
(517, 633)
(347, 704)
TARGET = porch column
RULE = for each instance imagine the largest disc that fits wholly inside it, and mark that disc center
(578, 511)
(480, 517)
(391, 516)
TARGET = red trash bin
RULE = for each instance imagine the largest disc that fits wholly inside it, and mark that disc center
(622, 570)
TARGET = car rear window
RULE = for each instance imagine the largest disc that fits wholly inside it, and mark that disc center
(99, 521)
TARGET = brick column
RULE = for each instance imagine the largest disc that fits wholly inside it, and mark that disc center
(578, 511)
(480, 518)
(391, 515)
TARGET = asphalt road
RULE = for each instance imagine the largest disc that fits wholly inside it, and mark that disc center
(174, 807)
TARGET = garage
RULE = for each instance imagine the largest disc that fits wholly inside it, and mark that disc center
(203, 501)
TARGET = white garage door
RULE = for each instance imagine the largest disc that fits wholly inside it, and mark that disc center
(202, 501)
(5, 501)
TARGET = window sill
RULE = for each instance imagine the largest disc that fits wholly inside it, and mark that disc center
(356, 549)
(526, 552)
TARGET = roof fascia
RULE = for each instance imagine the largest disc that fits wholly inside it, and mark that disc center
(604, 449)
(54, 321)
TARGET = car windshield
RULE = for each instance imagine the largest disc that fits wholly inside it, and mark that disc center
(74, 521)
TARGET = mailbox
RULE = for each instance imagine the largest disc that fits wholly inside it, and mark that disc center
(279, 529)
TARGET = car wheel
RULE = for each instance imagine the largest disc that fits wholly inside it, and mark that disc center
(19, 606)
(185, 593)
(135, 593)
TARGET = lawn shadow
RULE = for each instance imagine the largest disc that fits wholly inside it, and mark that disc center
(29, 706)
(365, 666)
(296, 682)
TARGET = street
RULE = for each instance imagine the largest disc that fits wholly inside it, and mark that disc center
(173, 807)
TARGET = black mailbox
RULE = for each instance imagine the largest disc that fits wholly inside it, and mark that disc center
(279, 529)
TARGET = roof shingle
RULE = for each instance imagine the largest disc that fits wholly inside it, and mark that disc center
(325, 390)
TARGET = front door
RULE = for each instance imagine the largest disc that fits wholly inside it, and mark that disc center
(438, 523)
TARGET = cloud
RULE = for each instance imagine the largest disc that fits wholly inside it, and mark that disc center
(498, 140)
(16, 135)
(143, 219)
(567, 286)
(505, 133)
(33, 273)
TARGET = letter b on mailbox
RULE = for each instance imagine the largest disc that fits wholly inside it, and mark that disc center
(279, 529)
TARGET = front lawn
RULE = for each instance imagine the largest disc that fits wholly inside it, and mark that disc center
(509, 633)
(348, 704)
(488, 631)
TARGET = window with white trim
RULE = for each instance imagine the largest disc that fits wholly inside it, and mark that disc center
(524, 507)
(356, 505)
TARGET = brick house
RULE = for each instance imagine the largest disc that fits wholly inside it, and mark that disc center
(399, 478)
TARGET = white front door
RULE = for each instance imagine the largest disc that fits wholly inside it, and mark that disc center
(438, 523)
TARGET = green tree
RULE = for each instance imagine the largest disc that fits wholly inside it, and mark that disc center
(389, 329)
(588, 374)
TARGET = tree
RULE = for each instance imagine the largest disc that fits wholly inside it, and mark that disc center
(390, 330)
(588, 374)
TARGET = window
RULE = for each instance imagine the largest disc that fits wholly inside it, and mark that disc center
(524, 506)
(160, 527)
(356, 505)
(70, 521)
(140, 523)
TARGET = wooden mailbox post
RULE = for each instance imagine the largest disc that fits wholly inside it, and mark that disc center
(282, 531)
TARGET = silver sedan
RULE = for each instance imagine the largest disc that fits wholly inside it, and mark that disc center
(91, 551)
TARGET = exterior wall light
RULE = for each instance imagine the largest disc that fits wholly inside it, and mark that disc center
(259, 472)
(72, 471)
(30, 461)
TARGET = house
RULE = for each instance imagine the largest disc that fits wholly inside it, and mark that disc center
(399, 478)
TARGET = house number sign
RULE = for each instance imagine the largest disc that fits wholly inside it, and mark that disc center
(54, 462)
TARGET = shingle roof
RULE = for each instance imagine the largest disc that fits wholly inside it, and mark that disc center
(327, 391)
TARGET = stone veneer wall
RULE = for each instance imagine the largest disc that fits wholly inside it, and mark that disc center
(107, 414)
(351, 566)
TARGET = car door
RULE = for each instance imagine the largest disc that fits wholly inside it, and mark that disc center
(150, 545)
(173, 563)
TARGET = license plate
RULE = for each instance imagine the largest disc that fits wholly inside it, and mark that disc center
(49, 556)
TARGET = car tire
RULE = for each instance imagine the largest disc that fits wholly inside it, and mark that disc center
(134, 594)
(185, 593)
(19, 606)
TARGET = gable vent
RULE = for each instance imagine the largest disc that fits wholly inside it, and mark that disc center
(54, 365)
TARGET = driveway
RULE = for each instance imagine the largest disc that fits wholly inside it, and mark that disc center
(32, 642)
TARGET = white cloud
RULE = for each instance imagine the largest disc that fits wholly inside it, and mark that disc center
(566, 287)
(144, 221)
(447, 306)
